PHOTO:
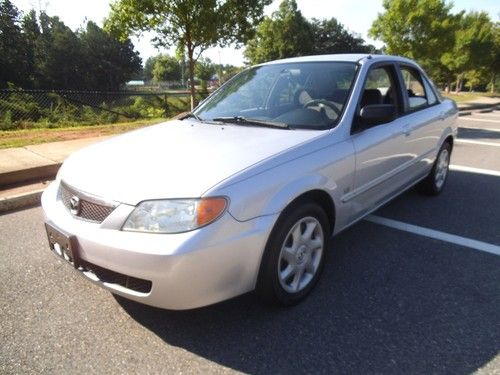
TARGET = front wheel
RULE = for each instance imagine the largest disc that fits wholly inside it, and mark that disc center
(434, 183)
(294, 255)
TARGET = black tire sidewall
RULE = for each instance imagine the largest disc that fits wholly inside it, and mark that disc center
(435, 188)
(268, 285)
(428, 185)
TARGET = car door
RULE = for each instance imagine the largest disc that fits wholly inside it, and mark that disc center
(382, 150)
(423, 119)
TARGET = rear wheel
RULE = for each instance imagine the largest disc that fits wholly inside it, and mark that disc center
(294, 255)
(434, 183)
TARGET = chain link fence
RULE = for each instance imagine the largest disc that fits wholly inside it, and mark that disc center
(22, 109)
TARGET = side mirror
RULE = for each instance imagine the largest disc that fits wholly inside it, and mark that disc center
(375, 114)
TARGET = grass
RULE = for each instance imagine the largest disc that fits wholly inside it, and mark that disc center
(25, 137)
(36, 133)
(466, 96)
(463, 96)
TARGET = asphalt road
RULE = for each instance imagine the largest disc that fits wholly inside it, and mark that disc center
(389, 301)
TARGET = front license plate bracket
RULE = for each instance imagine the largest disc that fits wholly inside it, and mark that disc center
(63, 244)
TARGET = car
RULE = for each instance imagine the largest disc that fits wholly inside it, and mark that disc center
(244, 192)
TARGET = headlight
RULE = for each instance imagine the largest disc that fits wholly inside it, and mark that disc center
(175, 215)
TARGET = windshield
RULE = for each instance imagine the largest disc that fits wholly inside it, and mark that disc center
(307, 95)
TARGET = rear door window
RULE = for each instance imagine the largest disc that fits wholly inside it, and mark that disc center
(418, 96)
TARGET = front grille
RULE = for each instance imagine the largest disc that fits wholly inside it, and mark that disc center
(88, 208)
(112, 277)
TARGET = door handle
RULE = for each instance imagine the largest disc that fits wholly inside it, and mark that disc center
(407, 129)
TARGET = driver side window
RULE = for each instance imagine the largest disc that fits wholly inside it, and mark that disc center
(378, 103)
(379, 88)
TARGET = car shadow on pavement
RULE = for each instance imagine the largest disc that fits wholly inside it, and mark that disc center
(388, 302)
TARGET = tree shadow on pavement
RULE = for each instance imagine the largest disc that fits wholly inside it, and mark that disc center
(468, 133)
(388, 302)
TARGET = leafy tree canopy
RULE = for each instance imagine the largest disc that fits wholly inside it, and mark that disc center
(287, 34)
(189, 25)
(415, 28)
(474, 41)
(166, 68)
(42, 52)
(109, 61)
(13, 46)
(204, 70)
(330, 36)
(447, 45)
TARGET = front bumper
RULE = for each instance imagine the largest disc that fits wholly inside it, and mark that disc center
(186, 270)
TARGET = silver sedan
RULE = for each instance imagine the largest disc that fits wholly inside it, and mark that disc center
(243, 193)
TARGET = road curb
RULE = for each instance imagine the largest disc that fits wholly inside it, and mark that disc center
(19, 201)
(44, 172)
(468, 112)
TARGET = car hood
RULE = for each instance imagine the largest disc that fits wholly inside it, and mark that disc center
(177, 159)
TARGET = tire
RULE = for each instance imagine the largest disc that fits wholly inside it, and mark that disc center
(294, 256)
(434, 183)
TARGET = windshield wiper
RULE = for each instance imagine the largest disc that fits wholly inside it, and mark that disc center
(250, 121)
(190, 114)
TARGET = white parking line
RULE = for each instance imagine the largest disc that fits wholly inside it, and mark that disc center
(478, 119)
(463, 168)
(460, 140)
(435, 234)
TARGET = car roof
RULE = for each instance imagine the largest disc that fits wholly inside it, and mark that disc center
(345, 57)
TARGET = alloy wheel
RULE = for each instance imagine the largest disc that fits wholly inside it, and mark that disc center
(442, 168)
(300, 254)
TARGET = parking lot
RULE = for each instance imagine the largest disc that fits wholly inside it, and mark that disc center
(414, 288)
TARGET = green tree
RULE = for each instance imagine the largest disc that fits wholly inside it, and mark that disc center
(108, 62)
(58, 56)
(31, 31)
(190, 25)
(226, 72)
(330, 36)
(166, 68)
(285, 34)
(14, 66)
(204, 70)
(474, 42)
(420, 29)
(495, 60)
(91, 59)
(475, 78)
(148, 68)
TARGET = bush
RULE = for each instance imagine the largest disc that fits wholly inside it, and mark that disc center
(7, 123)
(32, 109)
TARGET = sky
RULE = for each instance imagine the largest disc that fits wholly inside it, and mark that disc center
(356, 15)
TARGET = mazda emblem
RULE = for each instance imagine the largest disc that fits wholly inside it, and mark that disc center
(74, 204)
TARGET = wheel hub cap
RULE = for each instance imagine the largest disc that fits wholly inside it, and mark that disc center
(442, 168)
(300, 254)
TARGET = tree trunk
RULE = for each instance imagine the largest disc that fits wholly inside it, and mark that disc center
(191, 75)
(493, 81)
(457, 85)
(448, 86)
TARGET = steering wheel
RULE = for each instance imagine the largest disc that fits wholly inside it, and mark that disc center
(314, 102)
